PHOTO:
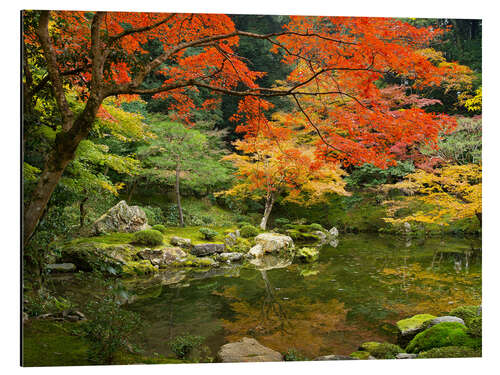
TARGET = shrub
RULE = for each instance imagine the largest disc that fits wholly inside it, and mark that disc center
(451, 352)
(467, 313)
(241, 245)
(248, 231)
(183, 345)
(382, 350)
(154, 214)
(281, 221)
(208, 234)
(108, 330)
(149, 237)
(242, 224)
(43, 302)
(159, 228)
(315, 226)
(308, 254)
(476, 327)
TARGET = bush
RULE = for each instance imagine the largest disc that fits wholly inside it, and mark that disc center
(476, 327)
(248, 231)
(44, 303)
(308, 254)
(451, 352)
(467, 313)
(183, 345)
(242, 224)
(382, 350)
(442, 334)
(241, 245)
(280, 222)
(208, 234)
(108, 330)
(159, 228)
(154, 215)
(315, 226)
(149, 237)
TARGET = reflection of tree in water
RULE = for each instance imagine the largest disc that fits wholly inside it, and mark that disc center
(461, 258)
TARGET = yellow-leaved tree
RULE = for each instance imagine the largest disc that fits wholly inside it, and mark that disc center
(451, 193)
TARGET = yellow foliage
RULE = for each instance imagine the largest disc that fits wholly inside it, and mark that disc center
(451, 193)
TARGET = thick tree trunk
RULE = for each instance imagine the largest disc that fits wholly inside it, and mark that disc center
(267, 210)
(59, 157)
(178, 193)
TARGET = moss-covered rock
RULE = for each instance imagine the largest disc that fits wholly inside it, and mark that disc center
(467, 313)
(440, 335)
(361, 354)
(159, 228)
(240, 245)
(451, 352)
(141, 267)
(381, 350)
(307, 254)
(408, 328)
(301, 236)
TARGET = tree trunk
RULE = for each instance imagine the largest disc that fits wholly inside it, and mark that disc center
(479, 216)
(82, 211)
(178, 193)
(267, 210)
(59, 157)
(132, 189)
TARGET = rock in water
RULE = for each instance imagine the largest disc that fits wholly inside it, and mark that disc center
(255, 252)
(248, 350)
(408, 328)
(272, 242)
(181, 242)
(121, 218)
(442, 319)
(334, 357)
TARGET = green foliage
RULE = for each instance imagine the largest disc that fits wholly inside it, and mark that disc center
(242, 224)
(368, 175)
(442, 334)
(182, 346)
(280, 222)
(148, 237)
(315, 226)
(476, 327)
(241, 245)
(208, 234)
(293, 355)
(108, 329)
(381, 350)
(43, 302)
(154, 214)
(451, 352)
(248, 231)
(466, 313)
(360, 354)
(159, 227)
(141, 268)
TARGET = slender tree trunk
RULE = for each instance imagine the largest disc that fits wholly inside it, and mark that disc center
(479, 216)
(267, 210)
(132, 189)
(178, 193)
(82, 211)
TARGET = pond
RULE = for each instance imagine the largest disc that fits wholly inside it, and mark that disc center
(354, 293)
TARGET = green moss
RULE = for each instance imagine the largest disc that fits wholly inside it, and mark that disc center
(109, 238)
(382, 350)
(142, 267)
(440, 335)
(467, 313)
(241, 245)
(148, 237)
(301, 236)
(308, 254)
(451, 352)
(159, 228)
(476, 327)
(248, 231)
(413, 323)
(361, 354)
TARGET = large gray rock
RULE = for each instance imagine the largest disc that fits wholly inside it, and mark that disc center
(121, 218)
(181, 242)
(248, 350)
(162, 257)
(334, 357)
(208, 249)
(231, 257)
(255, 252)
(274, 242)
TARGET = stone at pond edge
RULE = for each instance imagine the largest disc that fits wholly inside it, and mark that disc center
(231, 257)
(334, 357)
(271, 242)
(255, 252)
(247, 350)
(162, 257)
(442, 319)
(408, 328)
(405, 356)
(361, 354)
(96, 256)
(208, 249)
(181, 242)
(61, 267)
(121, 218)
(381, 350)
(333, 232)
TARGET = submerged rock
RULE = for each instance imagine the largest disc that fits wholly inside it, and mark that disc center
(248, 350)
(61, 267)
(269, 262)
(208, 249)
(272, 242)
(121, 218)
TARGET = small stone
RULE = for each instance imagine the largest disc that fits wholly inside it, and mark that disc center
(248, 350)
(61, 267)
(405, 356)
(334, 357)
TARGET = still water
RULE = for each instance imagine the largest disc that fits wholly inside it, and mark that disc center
(354, 293)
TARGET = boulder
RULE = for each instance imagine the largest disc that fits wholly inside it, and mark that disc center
(270, 262)
(97, 256)
(248, 350)
(162, 257)
(272, 242)
(121, 218)
(231, 238)
(208, 249)
(405, 356)
(61, 267)
(255, 252)
(408, 328)
(185, 243)
(381, 350)
(334, 357)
